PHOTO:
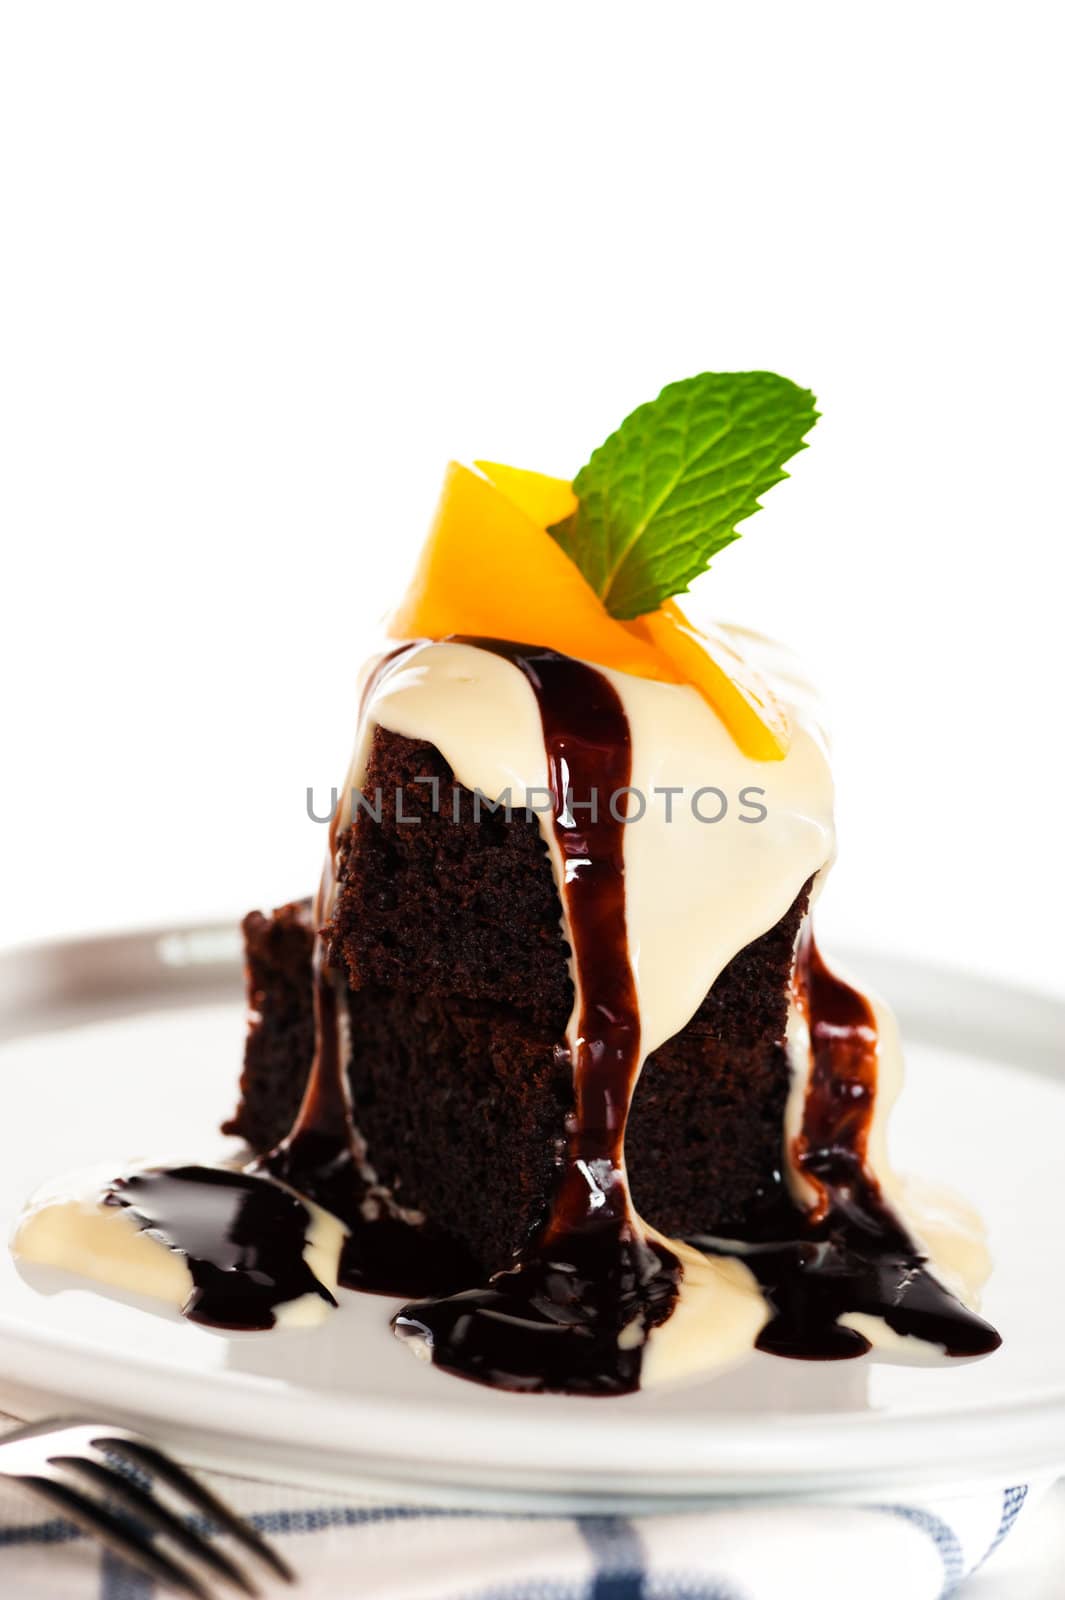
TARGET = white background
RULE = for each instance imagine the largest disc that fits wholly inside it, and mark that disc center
(266, 268)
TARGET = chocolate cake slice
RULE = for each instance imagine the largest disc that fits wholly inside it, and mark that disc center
(450, 933)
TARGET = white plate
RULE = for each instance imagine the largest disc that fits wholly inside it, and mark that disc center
(127, 1045)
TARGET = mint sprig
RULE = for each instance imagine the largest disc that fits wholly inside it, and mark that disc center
(664, 493)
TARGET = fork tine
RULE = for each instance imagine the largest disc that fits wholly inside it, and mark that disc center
(139, 1503)
(106, 1526)
(146, 1455)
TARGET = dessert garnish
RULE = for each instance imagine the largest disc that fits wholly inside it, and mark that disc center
(641, 520)
(554, 1050)
(663, 495)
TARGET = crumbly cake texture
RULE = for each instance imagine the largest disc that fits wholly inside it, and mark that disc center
(280, 1041)
(450, 935)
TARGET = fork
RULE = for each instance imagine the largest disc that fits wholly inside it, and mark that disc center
(65, 1460)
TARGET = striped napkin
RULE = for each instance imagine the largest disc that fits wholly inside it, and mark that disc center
(917, 1548)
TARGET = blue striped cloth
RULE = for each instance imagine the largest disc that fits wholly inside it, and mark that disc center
(920, 1548)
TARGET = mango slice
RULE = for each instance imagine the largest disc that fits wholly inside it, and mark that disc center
(706, 659)
(544, 500)
(488, 569)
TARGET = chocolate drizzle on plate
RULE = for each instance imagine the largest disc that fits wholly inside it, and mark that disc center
(849, 1253)
(574, 1312)
(243, 1238)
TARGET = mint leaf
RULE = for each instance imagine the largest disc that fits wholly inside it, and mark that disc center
(665, 492)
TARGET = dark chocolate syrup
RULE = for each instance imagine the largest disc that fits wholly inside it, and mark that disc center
(574, 1312)
(850, 1252)
(242, 1236)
